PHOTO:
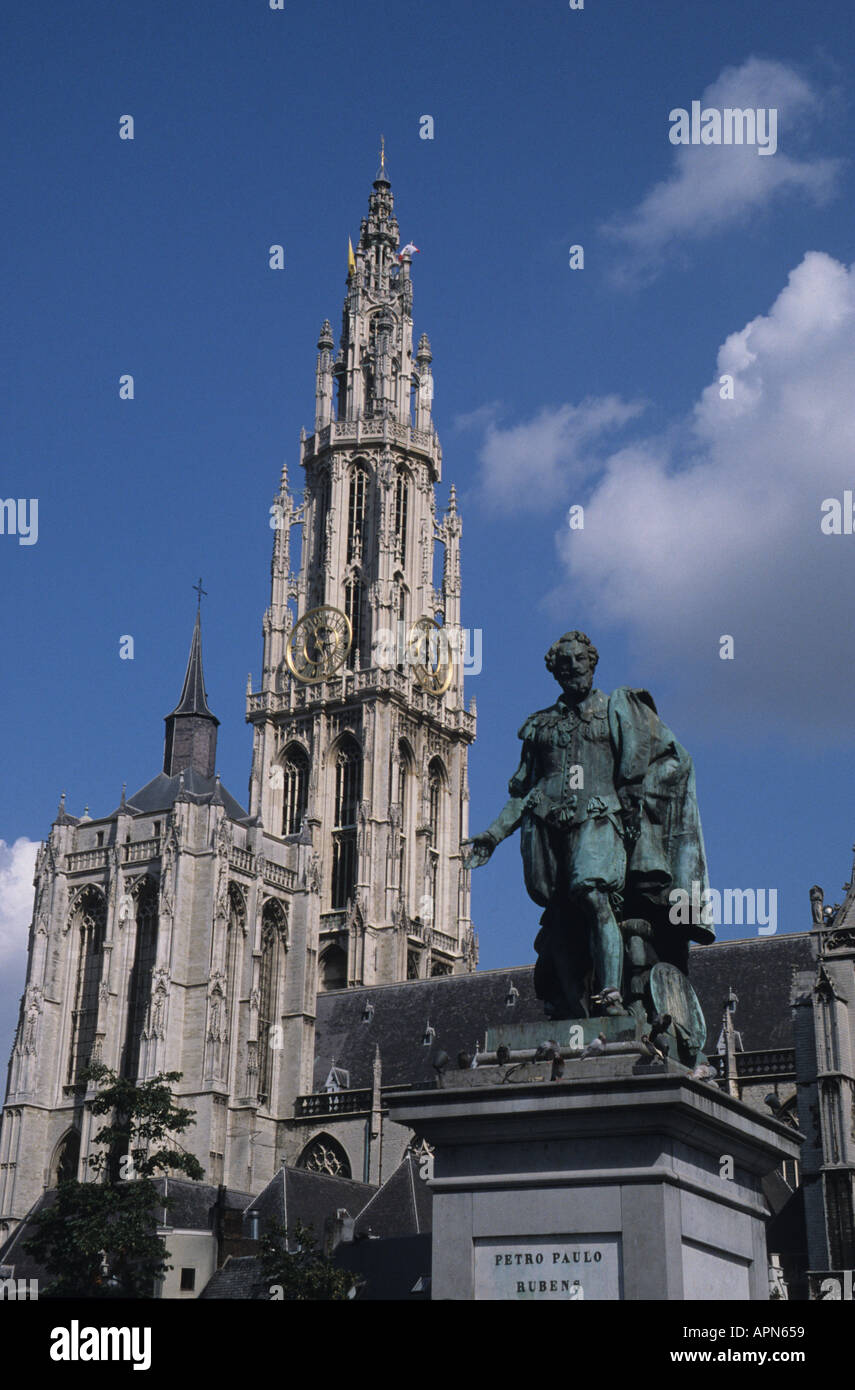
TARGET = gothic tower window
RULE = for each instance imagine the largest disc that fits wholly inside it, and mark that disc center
(435, 781)
(139, 984)
(356, 514)
(322, 511)
(91, 916)
(436, 784)
(401, 502)
(235, 935)
(66, 1158)
(348, 792)
(295, 782)
(354, 607)
(405, 765)
(333, 974)
(271, 976)
(402, 597)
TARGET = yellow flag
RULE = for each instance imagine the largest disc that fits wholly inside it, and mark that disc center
(351, 259)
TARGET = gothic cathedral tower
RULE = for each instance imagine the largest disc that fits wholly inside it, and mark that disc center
(360, 730)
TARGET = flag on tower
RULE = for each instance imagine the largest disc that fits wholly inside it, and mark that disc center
(351, 259)
(405, 249)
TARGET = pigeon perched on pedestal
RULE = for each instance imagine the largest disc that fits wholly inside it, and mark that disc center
(703, 1072)
(464, 1060)
(547, 1052)
(653, 1052)
(503, 1054)
(658, 1028)
(440, 1062)
(595, 1048)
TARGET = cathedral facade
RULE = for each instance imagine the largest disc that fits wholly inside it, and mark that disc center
(182, 932)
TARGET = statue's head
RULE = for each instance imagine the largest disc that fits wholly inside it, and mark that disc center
(572, 661)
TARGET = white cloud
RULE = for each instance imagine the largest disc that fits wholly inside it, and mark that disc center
(713, 527)
(722, 536)
(556, 447)
(17, 862)
(711, 187)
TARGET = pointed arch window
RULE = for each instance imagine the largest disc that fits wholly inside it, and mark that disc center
(322, 511)
(436, 782)
(348, 793)
(295, 782)
(403, 790)
(401, 645)
(271, 977)
(91, 918)
(139, 983)
(333, 973)
(67, 1158)
(235, 936)
(354, 608)
(325, 1155)
(402, 495)
(356, 511)
(436, 785)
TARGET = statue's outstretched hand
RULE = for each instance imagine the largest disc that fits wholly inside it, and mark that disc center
(477, 851)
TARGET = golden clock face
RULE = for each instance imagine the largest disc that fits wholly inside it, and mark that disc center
(429, 655)
(318, 644)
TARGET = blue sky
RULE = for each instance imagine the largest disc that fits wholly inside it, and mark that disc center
(554, 386)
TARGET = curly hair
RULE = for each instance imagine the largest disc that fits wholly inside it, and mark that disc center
(580, 637)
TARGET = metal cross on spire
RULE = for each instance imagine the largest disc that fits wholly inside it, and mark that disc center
(199, 592)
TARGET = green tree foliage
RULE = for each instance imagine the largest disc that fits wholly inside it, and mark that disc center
(303, 1272)
(99, 1238)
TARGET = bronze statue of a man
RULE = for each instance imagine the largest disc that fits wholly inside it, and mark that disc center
(605, 800)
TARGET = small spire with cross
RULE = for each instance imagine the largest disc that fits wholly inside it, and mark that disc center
(199, 592)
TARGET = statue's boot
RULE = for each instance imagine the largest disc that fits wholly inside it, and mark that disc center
(607, 953)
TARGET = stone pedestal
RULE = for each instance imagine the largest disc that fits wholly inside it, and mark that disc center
(611, 1183)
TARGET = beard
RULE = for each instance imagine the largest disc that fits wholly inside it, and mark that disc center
(577, 687)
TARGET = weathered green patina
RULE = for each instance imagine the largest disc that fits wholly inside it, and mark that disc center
(604, 798)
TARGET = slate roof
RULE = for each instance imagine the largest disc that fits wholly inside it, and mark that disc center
(402, 1207)
(192, 1204)
(240, 1277)
(397, 1215)
(760, 971)
(461, 1007)
(162, 792)
(458, 1007)
(295, 1194)
(191, 1208)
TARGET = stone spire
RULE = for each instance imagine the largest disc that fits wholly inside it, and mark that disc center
(191, 728)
